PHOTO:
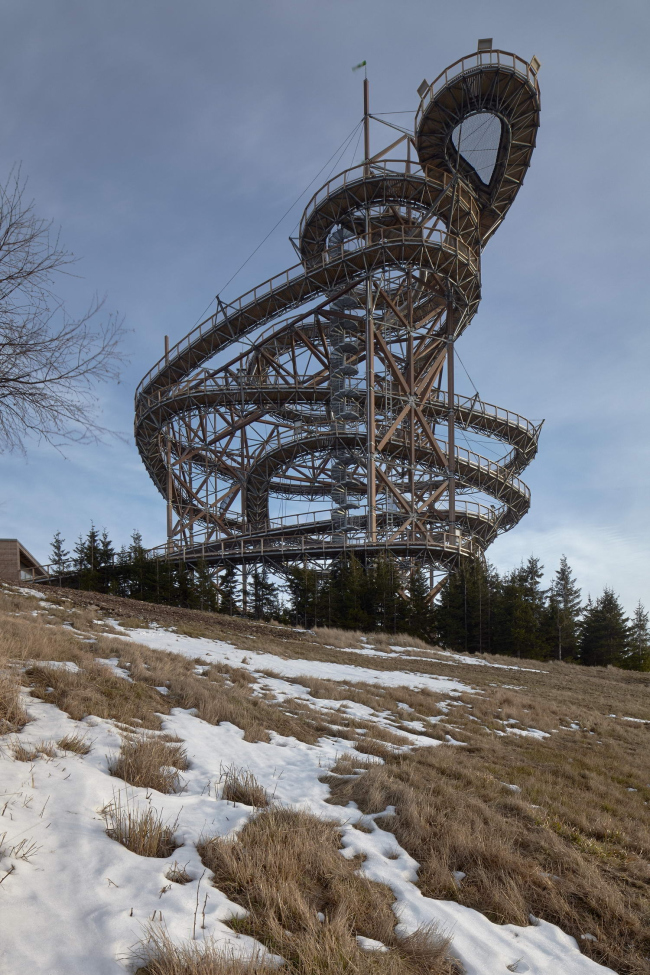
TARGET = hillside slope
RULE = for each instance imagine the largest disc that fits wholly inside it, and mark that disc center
(189, 793)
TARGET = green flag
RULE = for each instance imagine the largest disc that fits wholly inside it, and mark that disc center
(361, 64)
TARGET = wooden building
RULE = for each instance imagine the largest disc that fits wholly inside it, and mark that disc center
(16, 563)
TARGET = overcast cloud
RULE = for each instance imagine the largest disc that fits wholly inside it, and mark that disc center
(167, 139)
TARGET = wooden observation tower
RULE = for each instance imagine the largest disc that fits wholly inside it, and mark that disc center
(317, 414)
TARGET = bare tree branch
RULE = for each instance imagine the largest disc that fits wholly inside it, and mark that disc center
(49, 362)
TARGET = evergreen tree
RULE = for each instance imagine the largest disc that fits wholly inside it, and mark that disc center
(638, 656)
(464, 616)
(202, 592)
(384, 598)
(420, 615)
(521, 613)
(136, 549)
(86, 556)
(604, 632)
(92, 546)
(59, 555)
(81, 557)
(530, 632)
(564, 613)
(307, 602)
(228, 592)
(105, 550)
(263, 598)
(344, 596)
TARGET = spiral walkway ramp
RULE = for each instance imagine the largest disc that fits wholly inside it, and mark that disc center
(317, 414)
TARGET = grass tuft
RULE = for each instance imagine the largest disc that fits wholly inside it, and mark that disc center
(162, 956)
(140, 830)
(74, 743)
(178, 874)
(13, 716)
(240, 785)
(29, 753)
(349, 763)
(150, 763)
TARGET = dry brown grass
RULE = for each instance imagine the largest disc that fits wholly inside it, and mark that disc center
(355, 639)
(348, 764)
(150, 763)
(223, 695)
(163, 957)
(240, 785)
(579, 860)
(140, 829)
(24, 752)
(285, 868)
(95, 690)
(178, 874)
(75, 743)
(13, 716)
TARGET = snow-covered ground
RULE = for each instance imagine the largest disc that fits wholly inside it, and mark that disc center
(74, 901)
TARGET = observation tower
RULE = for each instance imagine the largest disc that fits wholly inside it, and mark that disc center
(317, 414)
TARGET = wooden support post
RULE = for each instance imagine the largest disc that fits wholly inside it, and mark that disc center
(370, 414)
(366, 125)
(170, 484)
(451, 417)
(169, 470)
(410, 378)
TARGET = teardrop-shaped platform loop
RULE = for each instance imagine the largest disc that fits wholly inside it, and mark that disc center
(478, 138)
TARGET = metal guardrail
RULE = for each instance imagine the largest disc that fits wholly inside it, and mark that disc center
(356, 174)
(472, 63)
(437, 240)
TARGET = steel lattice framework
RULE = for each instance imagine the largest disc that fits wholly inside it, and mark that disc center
(329, 389)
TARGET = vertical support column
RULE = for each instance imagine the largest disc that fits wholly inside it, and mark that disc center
(370, 414)
(451, 416)
(169, 469)
(366, 125)
(244, 586)
(370, 345)
(410, 378)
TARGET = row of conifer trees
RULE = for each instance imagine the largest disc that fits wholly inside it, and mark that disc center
(478, 610)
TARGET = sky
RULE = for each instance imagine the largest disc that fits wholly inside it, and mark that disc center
(167, 139)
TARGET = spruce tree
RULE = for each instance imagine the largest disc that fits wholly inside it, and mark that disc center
(228, 592)
(604, 632)
(263, 597)
(92, 544)
(564, 613)
(344, 597)
(305, 594)
(522, 612)
(202, 592)
(137, 550)
(464, 615)
(384, 598)
(420, 615)
(638, 656)
(86, 556)
(105, 550)
(59, 555)
(81, 557)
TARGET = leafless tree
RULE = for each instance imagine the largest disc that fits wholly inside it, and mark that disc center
(49, 362)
